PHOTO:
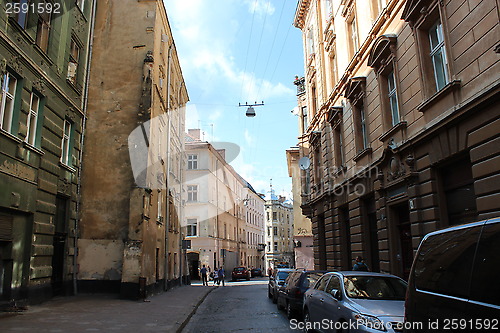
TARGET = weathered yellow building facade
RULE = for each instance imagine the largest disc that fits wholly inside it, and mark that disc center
(131, 187)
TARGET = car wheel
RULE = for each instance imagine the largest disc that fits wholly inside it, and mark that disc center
(275, 298)
(280, 307)
(307, 322)
(269, 293)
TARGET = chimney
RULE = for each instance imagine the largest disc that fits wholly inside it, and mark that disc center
(195, 133)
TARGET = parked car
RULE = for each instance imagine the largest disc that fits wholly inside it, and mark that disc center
(291, 296)
(256, 272)
(240, 273)
(454, 279)
(369, 301)
(277, 280)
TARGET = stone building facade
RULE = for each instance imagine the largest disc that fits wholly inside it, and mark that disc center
(402, 130)
(279, 232)
(43, 65)
(224, 214)
(132, 205)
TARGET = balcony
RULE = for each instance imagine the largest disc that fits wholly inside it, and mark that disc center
(261, 247)
(300, 83)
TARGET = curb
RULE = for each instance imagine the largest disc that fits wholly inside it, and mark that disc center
(185, 322)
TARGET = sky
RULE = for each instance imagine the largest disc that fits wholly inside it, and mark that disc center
(242, 51)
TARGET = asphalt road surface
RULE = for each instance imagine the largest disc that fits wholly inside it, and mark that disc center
(241, 306)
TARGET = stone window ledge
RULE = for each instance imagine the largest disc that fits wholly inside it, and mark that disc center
(425, 105)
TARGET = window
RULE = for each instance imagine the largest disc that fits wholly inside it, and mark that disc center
(362, 124)
(305, 122)
(275, 246)
(43, 27)
(275, 216)
(65, 144)
(9, 87)
(192, 193)
(33, 118)
(333, 69)
(74, 56)
(338, 146)
(275, 231)
(192, 225)
(353, 35)
(310, 41)
(438, 56)
(192, 162)
(428, 21)
(22, 17)
(160, 203)
(393, 98)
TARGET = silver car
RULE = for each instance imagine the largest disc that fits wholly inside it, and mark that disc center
(355, 302)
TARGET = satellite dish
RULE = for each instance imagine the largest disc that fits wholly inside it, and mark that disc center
(304, 163)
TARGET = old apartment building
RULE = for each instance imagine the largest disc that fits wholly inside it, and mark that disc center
(279, 232)
(224, 214)
(130, 230)
(43, 65)
(401, 125)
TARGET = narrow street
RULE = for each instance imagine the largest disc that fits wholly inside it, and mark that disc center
(241, 306)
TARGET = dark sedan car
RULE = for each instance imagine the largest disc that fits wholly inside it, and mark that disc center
(291, 296)
(276, 281)
(256, 272)
(240, 273)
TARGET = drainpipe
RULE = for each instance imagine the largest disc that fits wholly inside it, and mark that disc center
(79, 182)
(167, 212)
(181, 209)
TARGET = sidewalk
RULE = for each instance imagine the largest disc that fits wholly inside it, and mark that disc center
(167, 312)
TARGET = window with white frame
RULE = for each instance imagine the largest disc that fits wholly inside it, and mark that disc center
(9, 87)
(310, 41)
(192, 162)
(65, 144)
(305, 121)
(192, 226)
(353, 34)
(33, 118)
(192, 191)
(393, 98)
(363, 126)
(438, 55)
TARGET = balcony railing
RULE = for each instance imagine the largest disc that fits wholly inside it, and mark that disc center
(300, 83)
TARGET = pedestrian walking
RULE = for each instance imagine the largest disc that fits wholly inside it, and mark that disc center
(203, 272)
(216, 276)
(221, 274)
(360, 265)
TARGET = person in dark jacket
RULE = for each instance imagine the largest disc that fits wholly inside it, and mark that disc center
(360, 265)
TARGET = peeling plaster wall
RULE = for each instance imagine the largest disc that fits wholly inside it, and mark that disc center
(100, 259)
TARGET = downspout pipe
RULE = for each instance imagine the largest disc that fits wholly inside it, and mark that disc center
(82, 141)
(167, 179)
(181, 209)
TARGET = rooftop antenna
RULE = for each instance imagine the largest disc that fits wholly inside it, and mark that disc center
(251, 111)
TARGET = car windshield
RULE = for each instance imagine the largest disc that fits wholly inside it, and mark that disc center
(375, 287)
(282, 275)
(239, 269)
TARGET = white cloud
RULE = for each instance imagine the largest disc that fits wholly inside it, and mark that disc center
(248, 138)
(260, 7)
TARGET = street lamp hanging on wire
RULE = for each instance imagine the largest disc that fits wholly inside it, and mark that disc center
(251, 111)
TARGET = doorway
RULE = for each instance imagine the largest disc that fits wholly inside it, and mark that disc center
(193, 259)
(404, 248)
(59, 243)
